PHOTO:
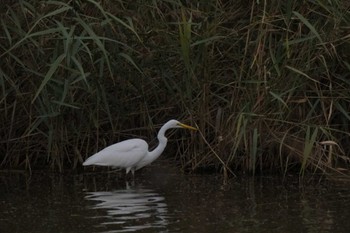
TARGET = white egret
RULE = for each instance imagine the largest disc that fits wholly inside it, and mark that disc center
(133, 154)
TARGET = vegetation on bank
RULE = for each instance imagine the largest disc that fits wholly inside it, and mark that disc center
(266, 82)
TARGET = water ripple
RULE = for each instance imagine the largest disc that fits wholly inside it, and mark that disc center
(129, 209)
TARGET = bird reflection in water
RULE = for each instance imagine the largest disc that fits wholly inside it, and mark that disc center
(129, 209)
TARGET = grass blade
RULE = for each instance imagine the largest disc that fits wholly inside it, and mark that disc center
(53, 67)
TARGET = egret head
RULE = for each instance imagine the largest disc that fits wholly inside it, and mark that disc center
(177, 124)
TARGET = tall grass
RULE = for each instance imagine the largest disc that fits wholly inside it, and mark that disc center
(265, 81)
(282, 79)
(58, 81)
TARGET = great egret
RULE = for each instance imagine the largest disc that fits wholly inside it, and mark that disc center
(133, 154)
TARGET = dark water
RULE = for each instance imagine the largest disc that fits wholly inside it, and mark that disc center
(161, 199)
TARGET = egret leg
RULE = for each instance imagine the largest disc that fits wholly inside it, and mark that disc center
(133, 173)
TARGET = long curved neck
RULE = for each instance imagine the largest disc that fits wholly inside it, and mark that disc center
(154, 154)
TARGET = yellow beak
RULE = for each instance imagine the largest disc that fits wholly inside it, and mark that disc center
(187, 126)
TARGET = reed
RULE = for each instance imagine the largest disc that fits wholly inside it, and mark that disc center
(265, 81)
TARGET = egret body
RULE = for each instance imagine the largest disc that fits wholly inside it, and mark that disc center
(133, 154)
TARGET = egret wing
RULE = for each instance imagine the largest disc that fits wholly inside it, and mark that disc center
(125, 154)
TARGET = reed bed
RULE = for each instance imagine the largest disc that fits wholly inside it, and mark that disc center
(266, 82)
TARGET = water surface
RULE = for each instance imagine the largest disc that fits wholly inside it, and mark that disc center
(162, 199)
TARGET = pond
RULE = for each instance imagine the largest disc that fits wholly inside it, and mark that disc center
(162, 199)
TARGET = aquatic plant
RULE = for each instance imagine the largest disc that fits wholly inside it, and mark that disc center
(265, 81)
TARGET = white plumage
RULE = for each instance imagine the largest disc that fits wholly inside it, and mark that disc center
(133, 154)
